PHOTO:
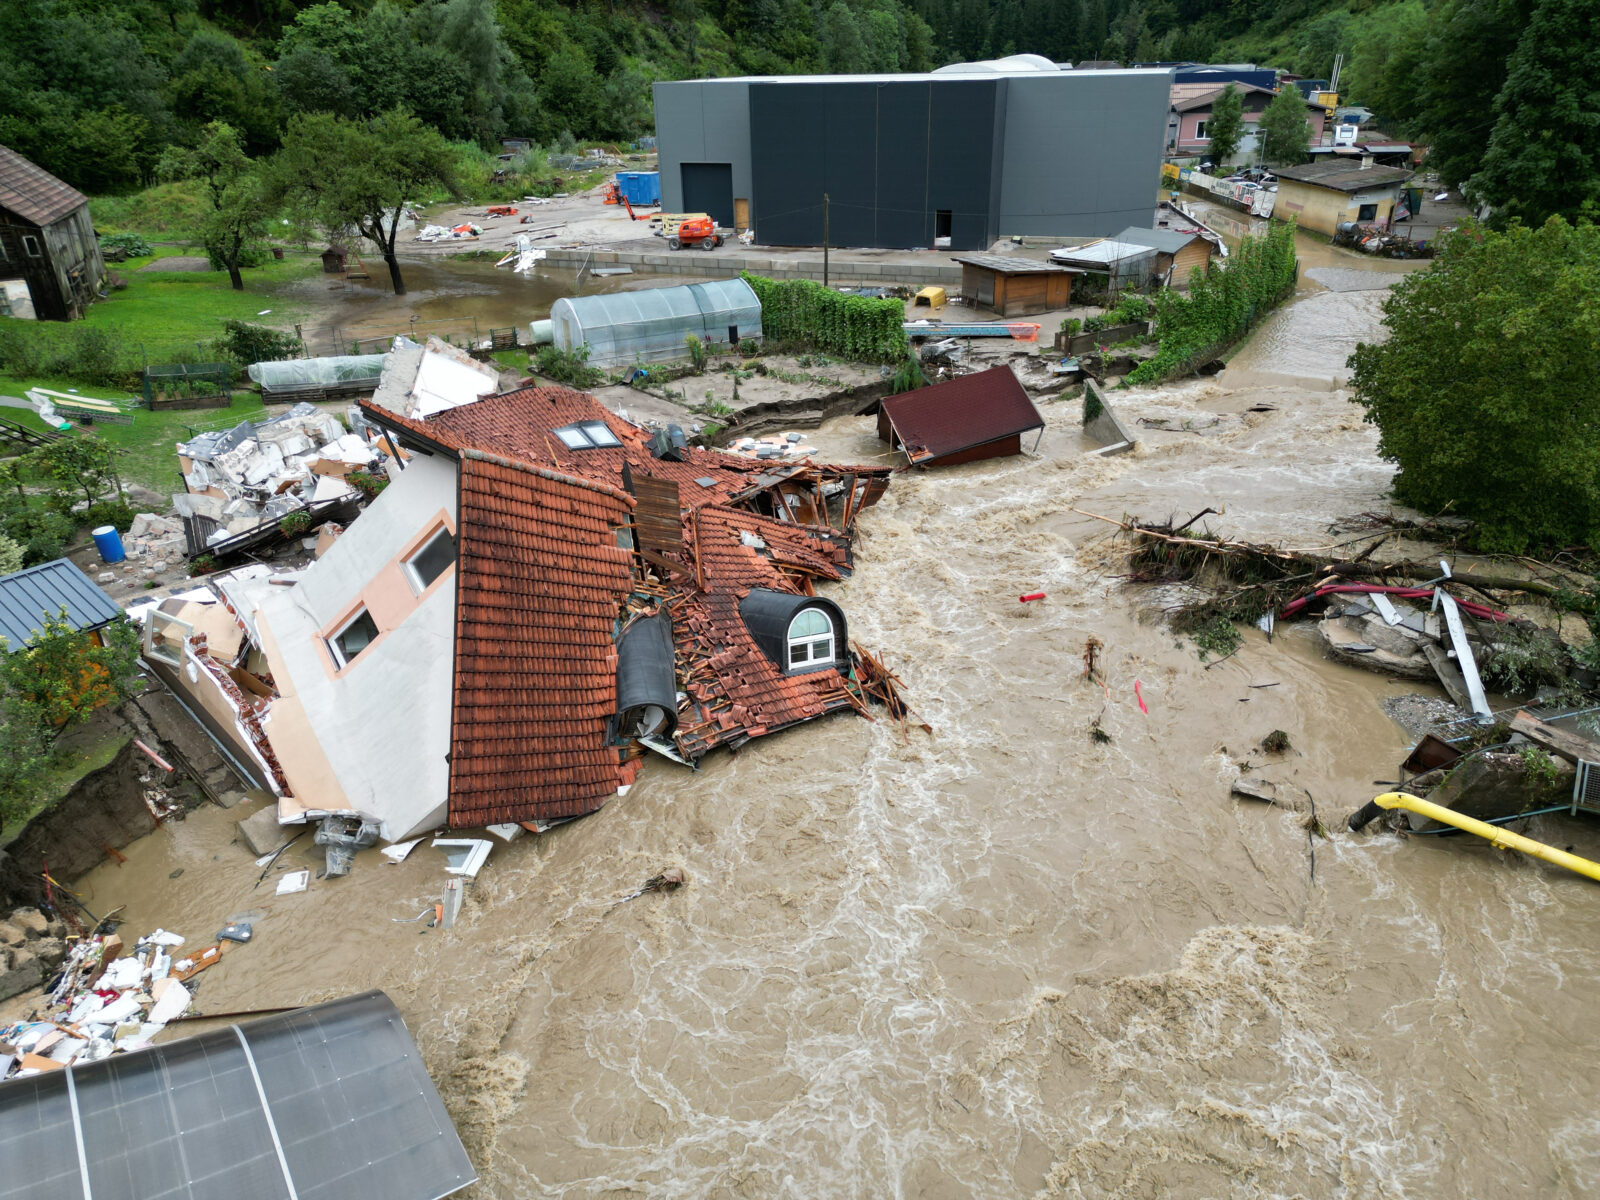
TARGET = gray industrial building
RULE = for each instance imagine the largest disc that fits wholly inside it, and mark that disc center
(971, 153)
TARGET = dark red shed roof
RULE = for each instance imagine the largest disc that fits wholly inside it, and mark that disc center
(33, 193)
(959, 414)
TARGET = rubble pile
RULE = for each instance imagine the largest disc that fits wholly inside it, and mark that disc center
(776, 445)
(107, 999)
(253, 473)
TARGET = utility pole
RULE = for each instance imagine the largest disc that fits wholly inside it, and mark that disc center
(824, 239)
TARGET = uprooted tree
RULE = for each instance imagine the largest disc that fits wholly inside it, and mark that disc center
(1483, 393)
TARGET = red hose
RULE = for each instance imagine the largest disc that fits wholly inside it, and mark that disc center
(1481, 611)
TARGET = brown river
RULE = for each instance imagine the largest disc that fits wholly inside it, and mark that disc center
(1000, 959)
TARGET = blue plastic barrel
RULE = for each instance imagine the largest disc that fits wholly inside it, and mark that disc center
(109, 542)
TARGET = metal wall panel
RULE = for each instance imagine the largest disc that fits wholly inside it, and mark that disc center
(702, 121)
(1082, 153)
(708, 188)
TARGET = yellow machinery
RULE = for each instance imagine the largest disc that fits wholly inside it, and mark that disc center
(1502, 838)
(929, 297)
(666, 224)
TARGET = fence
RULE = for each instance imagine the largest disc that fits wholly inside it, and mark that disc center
(188, 385)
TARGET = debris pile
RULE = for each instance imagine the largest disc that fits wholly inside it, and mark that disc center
(108, 999)
(467, 232)
(776, 445)
(242, 477)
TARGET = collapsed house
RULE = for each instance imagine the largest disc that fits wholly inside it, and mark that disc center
(543, 590)
(965, 419)
(259, 472)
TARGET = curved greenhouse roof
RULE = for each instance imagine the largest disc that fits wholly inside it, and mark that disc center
(651, 325)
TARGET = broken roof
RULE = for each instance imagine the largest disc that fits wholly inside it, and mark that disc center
(538, 582)
(32, 192)
(967, 411)
(1164, 241)
(27, 595)
(328, 1101)
(1343, 176)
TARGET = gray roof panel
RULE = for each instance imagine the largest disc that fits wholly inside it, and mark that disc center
(28, 595)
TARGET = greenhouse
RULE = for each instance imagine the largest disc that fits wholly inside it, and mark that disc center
(317, 378)
(651, 325)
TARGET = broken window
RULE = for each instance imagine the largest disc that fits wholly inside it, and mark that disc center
(810, 639)
(354, 636)
(1367, 212)
(431, 560)
(30, 245)
(587, 435)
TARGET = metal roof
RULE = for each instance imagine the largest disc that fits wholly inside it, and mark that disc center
(967, 411)
(1103, 253)
(32, 192)
(1343, 176)
(1005, 264)
(323, 1103)
(1164, 241)
(28, 595)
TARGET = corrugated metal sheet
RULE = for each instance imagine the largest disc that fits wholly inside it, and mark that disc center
(1005, 264)
(1165, 241)
(1106, 252)
(28, 595)
(32, 192)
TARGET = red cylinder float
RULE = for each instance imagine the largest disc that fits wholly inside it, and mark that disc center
(1030, 596)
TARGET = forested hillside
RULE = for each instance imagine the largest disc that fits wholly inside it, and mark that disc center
(98, 91)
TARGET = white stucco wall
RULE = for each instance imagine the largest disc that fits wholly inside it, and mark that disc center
(383, 723)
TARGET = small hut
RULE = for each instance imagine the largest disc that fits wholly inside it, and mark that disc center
(1014, 287)
(50, 263)
(333, 260)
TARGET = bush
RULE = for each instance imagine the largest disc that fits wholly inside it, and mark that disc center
(294, 524)
(251, 254)
(1221, 306)
(368, 484)
(802, 312)
(109, 512)
(125, 245)
(1483, 392)
(567, 366)
(697, 351)
(1072, 326)
(85, 353)
(11, 559)
(242, 344)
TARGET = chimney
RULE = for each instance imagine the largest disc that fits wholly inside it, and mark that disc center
(1366, 162)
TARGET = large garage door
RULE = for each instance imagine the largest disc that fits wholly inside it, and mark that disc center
(708, 188)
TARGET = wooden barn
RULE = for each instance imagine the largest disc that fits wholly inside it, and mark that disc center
(50, 264)
(1014, 287)
(1178, 253)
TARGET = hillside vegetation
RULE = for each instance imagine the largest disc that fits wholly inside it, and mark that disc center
(101, 91)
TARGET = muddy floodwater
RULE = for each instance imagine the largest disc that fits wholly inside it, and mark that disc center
(1000, 959)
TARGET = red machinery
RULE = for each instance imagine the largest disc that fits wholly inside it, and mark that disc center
(701, 231)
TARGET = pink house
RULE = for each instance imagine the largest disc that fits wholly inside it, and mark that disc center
(1191, 111)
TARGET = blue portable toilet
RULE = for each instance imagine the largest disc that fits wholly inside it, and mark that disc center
(109, 542)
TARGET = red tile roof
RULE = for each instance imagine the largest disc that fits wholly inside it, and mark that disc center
(538, 584)
(541, 583)
(967, 411)
(32, 192)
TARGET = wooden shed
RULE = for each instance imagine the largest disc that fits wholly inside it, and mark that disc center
(1178, 253)
(50, 264)
(1014, 287)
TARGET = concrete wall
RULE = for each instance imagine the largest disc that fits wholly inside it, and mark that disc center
(1082, 152)
(1323, 209)
(702, 121)
(382, 723)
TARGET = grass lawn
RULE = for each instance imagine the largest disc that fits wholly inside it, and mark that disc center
(175, 312)
(79, 753)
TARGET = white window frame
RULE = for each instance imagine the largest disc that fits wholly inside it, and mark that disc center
(30, 246)
(810, 641)
(332, 640)
(1200, 130)
(413, 576)
(588, 435)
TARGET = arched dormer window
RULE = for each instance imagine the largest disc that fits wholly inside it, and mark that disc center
(810, 639)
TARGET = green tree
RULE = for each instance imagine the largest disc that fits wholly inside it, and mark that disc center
(236, 191)
(1465, 57)
(10, 556)
(1483, 393)
(342, 175)
(1544, 154)
(73, 464)
(1285, 129)
(843, 47)
(1225, 129)
(62, 675)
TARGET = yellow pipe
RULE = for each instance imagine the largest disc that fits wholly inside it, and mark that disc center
(1503, 839)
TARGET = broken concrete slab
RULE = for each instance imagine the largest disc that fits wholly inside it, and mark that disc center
(19, 971)
(261, 831)
(31, 921)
